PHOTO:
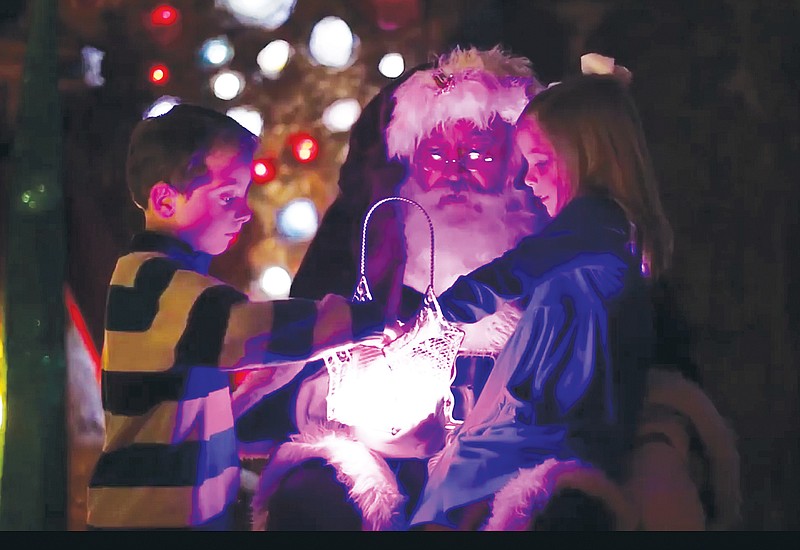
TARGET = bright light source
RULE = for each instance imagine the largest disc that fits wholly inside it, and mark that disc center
(275, 282)
(331, 43)
(216, 51)
(341, 114)
(273, 58)
(249, 117)
(391, 65)
(298, 220)
(227, 84)
(161, 106)
(159, 74)
(268, 14)
(164, 15)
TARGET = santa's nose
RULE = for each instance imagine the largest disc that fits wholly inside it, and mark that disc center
(453, 170)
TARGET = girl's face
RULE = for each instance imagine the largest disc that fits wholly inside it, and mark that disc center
(547, 174)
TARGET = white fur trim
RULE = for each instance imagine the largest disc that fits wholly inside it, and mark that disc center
(482, 84)
(520, 500)
(719, 440)
(370, 482)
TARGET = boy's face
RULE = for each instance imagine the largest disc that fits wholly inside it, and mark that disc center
(210, 217)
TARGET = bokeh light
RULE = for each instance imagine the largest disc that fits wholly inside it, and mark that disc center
(298, 220)
(275, 282)
(92, 61)
(304, 147)
(331, 43)
(392, 65)
(164, 15)
(264, 170)
(267, 14)
(247, 116)
(159, 74)
(340, 115)
(227, 85)
(273, 58)
(216, 51)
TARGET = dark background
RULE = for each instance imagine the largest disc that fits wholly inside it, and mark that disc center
(717, 85)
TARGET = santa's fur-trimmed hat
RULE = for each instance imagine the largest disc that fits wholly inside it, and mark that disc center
(471, 84)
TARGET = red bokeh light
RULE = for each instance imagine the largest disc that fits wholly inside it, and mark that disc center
(159, 74)
(164, 15)
(264, 170)
(304, 147)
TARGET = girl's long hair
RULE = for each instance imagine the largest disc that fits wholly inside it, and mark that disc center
(595, 127)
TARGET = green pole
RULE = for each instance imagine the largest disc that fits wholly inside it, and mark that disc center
(33, 487)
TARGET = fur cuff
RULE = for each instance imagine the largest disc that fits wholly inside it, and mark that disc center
(671, 389)
(517, 504)
(370, 482)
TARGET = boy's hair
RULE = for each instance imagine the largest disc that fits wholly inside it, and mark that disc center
(594, 125)
(173, 147)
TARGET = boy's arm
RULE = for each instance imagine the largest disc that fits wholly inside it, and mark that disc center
(292, 330)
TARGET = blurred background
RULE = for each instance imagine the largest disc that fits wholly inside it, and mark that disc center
(716, 82)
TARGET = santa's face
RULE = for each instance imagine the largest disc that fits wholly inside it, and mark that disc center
(476, 212)
(460, 166)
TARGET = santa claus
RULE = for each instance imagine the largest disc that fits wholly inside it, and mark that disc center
(442, 137)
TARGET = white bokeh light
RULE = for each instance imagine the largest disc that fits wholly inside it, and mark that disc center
(340, 115)
(249, 117)
(161, 106)
(92, 66)
(331, 43)
(216, 51)
(275, 282)
(392, 65)
(267, 14)
(298, 220)
(273, 58)
(227, 84)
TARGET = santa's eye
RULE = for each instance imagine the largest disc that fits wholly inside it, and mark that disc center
(473, 155)
(436, 156)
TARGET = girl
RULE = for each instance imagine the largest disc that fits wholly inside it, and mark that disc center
(569, 383)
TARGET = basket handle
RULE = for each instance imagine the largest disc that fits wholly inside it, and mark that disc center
(362, 292)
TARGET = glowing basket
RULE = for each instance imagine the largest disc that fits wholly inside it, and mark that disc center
(393, 388)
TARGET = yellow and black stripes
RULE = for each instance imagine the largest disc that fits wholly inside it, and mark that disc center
(173, 333)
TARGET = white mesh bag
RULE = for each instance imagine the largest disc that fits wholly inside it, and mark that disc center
(386, 390)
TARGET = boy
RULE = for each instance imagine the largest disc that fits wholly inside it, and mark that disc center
(174, 334)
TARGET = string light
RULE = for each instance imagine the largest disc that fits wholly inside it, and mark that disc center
(215, 52)
(298, 220)
(159, 74)
(264, 170)
(227, 84)
(332, 43)
(391, 65)
(249, 117)
(164, 15)
(275, 282)
(304, 147)
(340, 115)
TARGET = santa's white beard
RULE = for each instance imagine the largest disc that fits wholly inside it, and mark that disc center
(465, 239)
